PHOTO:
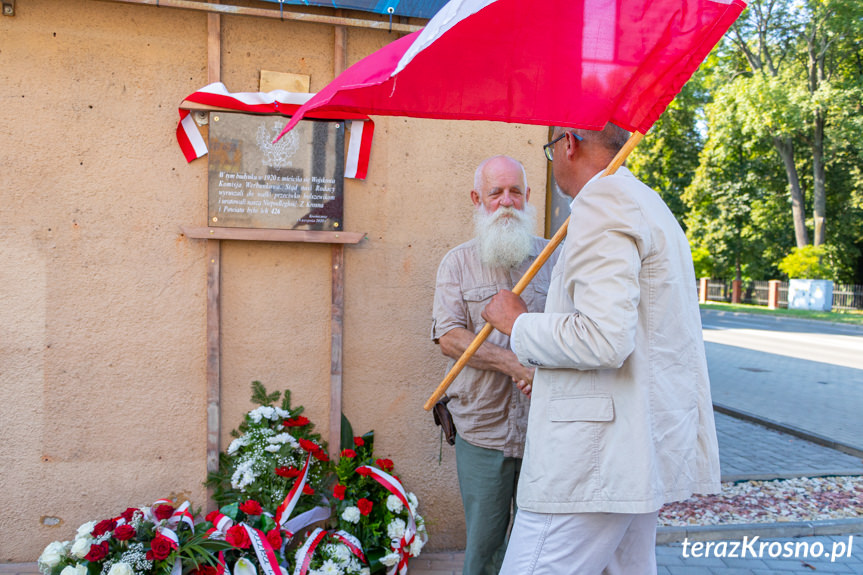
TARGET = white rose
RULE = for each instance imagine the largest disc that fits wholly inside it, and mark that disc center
(53, 554)
(351, 515)
(86, 529)
(394, 504)
(77, 569)
(396, 529)
(81, 547)
(121, 569)
(390, 560)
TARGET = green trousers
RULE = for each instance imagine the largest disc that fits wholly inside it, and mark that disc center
(487, 481)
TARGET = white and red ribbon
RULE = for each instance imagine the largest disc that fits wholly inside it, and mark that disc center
(395, 487)
(275, 102)
(283, 513)
(307, 551)
(266, 558)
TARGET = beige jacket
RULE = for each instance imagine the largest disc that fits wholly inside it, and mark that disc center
(621, 418)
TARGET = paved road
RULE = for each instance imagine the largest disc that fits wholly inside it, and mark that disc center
(801, 374)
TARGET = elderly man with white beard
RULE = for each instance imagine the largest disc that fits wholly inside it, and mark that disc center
(488, 409)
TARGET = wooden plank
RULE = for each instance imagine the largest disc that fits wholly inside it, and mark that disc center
(311, 236)
(214, 298)
(234, 10)
(287, 81)
(336, 330)
(340, 52)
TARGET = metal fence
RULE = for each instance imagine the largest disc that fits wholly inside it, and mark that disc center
(845, 296)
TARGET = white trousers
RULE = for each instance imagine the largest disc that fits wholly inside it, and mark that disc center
(581, 544)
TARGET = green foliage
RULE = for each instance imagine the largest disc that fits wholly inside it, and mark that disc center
(703, 262)
(807, 262)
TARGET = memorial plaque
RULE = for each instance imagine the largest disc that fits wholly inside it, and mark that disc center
(296, 183)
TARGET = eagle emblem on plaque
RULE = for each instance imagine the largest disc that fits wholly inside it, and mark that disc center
(279, 154)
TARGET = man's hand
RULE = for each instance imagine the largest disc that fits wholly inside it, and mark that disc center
(503, 309)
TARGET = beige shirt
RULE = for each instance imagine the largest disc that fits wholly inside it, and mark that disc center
(621, 419)
(487, 408)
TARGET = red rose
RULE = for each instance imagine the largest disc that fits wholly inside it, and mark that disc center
(339, 492)
(365, 506)
(320, 455)
(251, 507)
(211, 516)
(385, 464)
(274, 538)
(309, 446)
(163, 511)
(205, 570)
(359, 442)
(128, 514)
(296, 421)
(103, 527)
(124, 532)
(97, 552)
(349, 453)
(363, 470)
(287, 472)
(161, 547)
(238, 537)
(307, 489)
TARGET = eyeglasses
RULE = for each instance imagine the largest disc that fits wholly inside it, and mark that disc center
(549, 147)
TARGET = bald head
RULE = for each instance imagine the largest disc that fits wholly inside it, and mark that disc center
(500, 181)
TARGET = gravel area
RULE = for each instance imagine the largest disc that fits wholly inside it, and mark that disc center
(797, 499)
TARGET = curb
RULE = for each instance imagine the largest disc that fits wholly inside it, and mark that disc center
(673, 534)
(789, 429)
(782, 318)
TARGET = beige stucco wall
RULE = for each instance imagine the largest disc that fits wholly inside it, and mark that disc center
(103, 300)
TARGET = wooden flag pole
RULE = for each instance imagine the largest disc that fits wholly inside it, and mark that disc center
(528, 276)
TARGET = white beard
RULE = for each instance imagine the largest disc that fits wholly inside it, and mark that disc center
(504, 242)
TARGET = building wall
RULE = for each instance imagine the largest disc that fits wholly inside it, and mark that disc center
(103, 299)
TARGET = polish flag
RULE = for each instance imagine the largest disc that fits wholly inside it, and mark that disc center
(576, 63)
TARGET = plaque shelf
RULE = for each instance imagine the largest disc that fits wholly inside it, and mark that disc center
(269, 235)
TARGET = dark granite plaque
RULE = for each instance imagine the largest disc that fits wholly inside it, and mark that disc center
(296, 183)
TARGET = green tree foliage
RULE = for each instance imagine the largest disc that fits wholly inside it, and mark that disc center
(762, 151)
(807, 262)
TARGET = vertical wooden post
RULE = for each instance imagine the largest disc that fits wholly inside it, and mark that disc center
(337, 258)
(736, 288)
(214, 283)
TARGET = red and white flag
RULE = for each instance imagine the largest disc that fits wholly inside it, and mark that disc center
(576, 63)
(276, 102)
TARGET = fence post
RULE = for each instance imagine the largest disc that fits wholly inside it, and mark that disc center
(735, 291)
(702, 290)
(773, 294)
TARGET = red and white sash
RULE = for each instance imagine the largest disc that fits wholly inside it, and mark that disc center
(275, 102)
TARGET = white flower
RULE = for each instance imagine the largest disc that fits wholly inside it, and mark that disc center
(244, 567)
(365, 571)
(263, 412)
(416, 546)
(121, 569)
(414, 502)
(77, 569)
(53, 554)
(273, 448)
(281, 413)
(85, 529)
(341, 553)
(236, 445)
(390, 560)
(330, 568)
(81, 547)
(351, 514)
(285, 438)
(394, 504)
(396, 529)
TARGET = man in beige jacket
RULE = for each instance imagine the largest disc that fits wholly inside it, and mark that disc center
(621, 418)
